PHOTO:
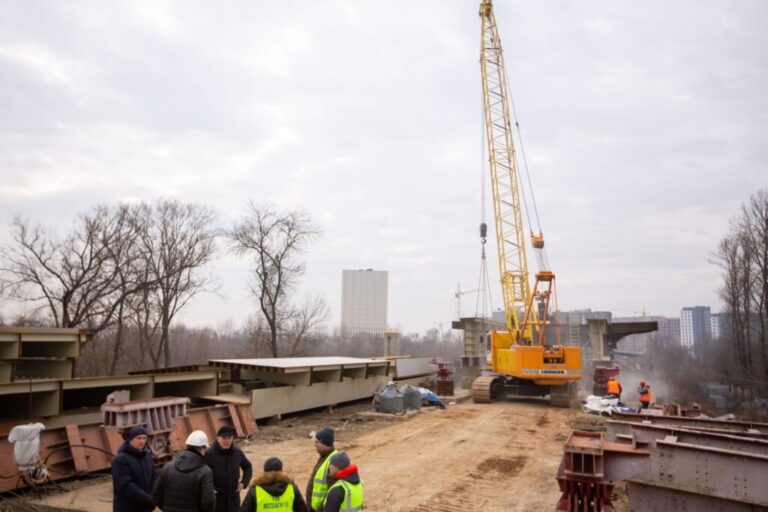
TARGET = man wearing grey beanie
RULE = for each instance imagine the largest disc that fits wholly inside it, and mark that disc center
(347, 492)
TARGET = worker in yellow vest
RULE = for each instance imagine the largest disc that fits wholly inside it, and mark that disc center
(613, 388)
(273, 491)
(346, 494)
(319, 480)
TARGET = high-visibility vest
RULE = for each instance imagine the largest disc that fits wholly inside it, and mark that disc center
(353, 496)
(265, 502)
(320, 483)
(645, 397)
(613, 387)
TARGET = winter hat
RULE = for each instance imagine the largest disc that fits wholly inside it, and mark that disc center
(273, 464)
(226, 430)
(197, 439)
(340, 460)
(325, 436)
(138, 430)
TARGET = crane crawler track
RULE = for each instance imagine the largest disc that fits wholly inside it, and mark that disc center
(483, 390)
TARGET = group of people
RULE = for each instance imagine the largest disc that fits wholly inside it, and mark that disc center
(613, 390)
(209, 479)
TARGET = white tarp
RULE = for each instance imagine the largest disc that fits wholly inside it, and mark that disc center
(599, 405)
(26, 450)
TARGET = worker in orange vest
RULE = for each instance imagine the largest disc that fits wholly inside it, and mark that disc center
(645, 394)
(613, 388)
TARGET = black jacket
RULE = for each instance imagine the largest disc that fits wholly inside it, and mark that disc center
(133, 475)
(185, 485)
(275, 483)
(335, 497)
(330, 479)
(226, 466)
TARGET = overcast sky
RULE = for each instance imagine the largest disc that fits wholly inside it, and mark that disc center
(645, 127)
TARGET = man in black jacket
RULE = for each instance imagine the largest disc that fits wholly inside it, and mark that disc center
(186, 483)
(133, 474)
(347, 491)
(226, 461)
(273, 489)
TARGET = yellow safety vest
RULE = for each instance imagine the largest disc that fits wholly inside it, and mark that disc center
(320, 483)
(265, 502)
(353, 496)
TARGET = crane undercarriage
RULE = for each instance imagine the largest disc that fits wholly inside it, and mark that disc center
(488, 388)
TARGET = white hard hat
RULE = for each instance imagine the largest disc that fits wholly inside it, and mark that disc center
(197, 438)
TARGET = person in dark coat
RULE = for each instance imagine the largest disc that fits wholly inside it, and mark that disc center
(186, 483)
(276, 486)
(347, 489)
(319, 480)
(227, 461)
(133, 474)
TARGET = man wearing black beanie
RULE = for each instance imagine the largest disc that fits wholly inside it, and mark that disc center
(227, 462)
(133, 474)
(273, 490)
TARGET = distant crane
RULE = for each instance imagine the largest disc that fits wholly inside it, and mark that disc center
(459, 292)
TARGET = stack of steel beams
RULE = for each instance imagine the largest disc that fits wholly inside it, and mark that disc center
(696, 463)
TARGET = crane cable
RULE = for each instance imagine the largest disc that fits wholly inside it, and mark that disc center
(483, 284)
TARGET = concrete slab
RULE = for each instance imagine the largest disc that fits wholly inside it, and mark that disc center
(286, 364)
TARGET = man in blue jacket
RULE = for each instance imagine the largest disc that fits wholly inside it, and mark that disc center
(133, 474)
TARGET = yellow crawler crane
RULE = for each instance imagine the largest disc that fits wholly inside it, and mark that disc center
(521, 363)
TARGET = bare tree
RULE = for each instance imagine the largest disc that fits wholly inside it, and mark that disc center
(743, 256)
(755, 232)
(179, 241)
(303, 325)
(80, 279)
(275, 241)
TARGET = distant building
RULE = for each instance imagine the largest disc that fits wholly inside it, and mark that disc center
(364, 295)
(695, 328)
(719, 325)
(669, 329)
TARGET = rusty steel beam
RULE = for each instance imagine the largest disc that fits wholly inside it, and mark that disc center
(209, 420)
(661, 499)
(66, 451)
(589, 468)
(645, 436)
(73, 450)
(683, 474)
(746, 427)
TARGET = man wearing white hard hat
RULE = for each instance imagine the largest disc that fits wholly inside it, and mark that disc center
(186, 483)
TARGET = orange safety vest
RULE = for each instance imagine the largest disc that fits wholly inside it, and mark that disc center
(614, 388)
(647, 396)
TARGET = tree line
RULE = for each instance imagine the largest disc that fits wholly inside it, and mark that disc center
(127, 270)
(742, 352)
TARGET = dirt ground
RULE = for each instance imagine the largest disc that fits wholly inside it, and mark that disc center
(496, 457)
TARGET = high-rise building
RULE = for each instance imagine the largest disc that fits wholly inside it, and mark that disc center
(695, 328)
(364, 302)
(669, 329)
(719, 325)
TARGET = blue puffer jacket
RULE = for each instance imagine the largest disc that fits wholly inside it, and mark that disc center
(133, 475)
